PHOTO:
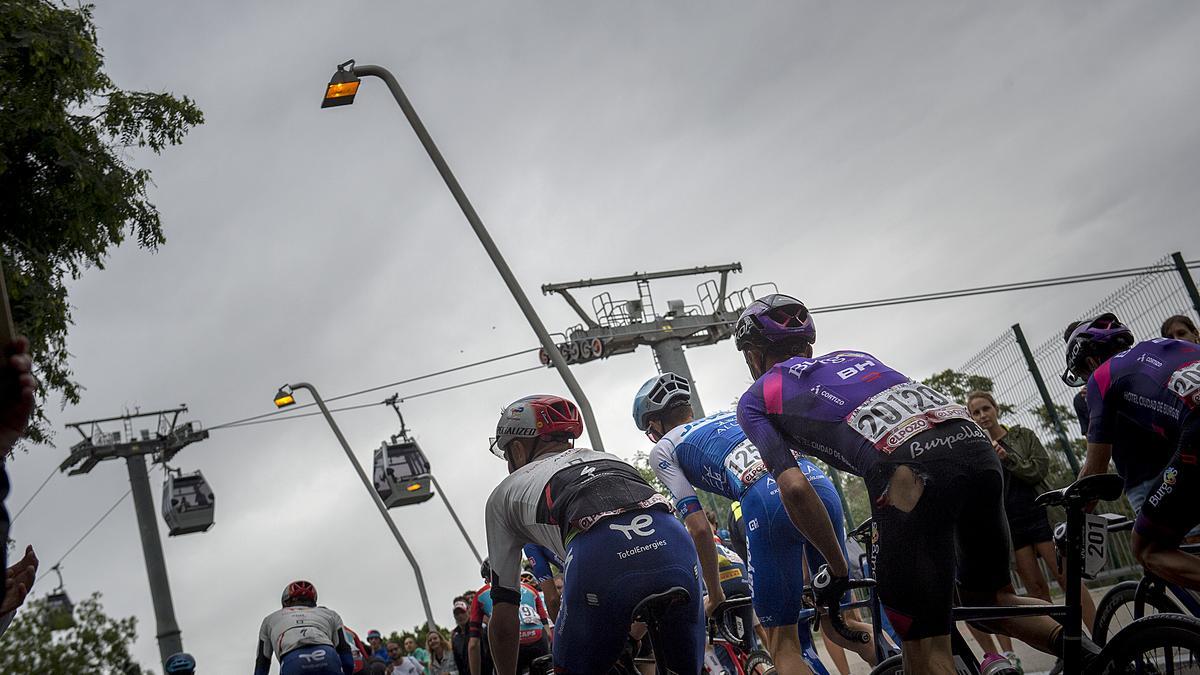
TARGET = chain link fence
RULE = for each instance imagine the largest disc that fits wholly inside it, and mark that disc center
(1026, 378)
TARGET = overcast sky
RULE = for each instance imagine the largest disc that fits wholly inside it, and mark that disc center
(845, 151)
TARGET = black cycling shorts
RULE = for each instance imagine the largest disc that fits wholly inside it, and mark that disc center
(1173, 508)
(956, 530)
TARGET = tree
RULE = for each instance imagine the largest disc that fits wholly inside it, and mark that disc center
(96, 644)
(958, 385)
(69, 193)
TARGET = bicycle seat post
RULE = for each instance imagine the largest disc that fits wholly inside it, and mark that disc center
(1073, 622)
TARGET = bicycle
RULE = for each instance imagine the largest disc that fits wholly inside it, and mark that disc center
(1126, 652)
(1128, 600)
(729, 632)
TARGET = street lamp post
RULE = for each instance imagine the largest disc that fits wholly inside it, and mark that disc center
(285, 398)
(341, 91)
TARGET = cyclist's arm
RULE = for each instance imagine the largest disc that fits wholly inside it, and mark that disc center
(504, 631)
(804, 506)
(262, 659)
(343, 648)
(1098, 456)
(541, 610)
(550, 590)
(702, 537)
(666, 467)
(1099, 436)
(474, 658)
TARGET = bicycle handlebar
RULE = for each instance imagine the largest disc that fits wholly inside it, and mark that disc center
(720, 620)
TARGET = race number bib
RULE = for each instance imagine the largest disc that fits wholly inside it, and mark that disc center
(1185, 382)
(744, 463)
(1095, 545)
(900, 412)
(529, 615)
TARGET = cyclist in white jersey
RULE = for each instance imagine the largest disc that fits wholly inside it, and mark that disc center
(617, 536)
(307, 639)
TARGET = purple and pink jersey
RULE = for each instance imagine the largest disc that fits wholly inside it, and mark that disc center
(845, 408)
(1137, 401)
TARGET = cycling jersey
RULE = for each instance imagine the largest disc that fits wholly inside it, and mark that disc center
(553, 497)
(309, 635)
(531, 612)
(546, 563)
(1138, 400)
(845, 408)
(711, 453)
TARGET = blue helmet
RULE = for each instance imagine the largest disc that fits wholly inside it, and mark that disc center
(660, 393)
(180, 663)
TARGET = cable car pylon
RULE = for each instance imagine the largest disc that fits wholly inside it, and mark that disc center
(403, 474)
(163, 443)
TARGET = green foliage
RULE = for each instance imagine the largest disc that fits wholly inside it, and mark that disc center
(958, 385)
(97, 644)
(68, 191)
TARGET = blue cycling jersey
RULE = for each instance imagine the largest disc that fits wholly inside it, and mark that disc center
(1138, 400)
(546, 563)
(845, 408)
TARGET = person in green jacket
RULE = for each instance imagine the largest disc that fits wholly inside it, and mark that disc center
(1026, 468)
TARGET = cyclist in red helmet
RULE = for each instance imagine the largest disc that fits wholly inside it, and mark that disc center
(616, 534)
(307, 639)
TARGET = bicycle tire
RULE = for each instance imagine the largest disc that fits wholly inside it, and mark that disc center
(1125, 652)
(1117, 605)
(758, 662)
(892, 665)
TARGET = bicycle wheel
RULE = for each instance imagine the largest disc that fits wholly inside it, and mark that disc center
(1115, 610)
(893, 665)
(1160, 644)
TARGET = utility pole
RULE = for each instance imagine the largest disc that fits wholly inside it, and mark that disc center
(619, 326)
(170, 437)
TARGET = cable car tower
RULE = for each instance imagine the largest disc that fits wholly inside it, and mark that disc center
(162, 444)
(619, 326)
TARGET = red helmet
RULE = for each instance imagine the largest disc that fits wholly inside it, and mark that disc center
(541, 415)
(302, 592)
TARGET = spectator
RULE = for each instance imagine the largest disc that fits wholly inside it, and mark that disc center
(1180, 327)
(394, 653)
(375, 642)
(1026, 467)
(376, 667)
(17, 386)
(458, 637)
(441, 661)
(418, 653)
(406, 665)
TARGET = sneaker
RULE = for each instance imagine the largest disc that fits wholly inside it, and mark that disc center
(1015, 661)
(994, 664)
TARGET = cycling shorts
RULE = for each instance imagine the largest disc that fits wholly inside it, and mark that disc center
(1172, 507)
(612, 567)
(317, 660)
(956, 530)
(777, 549)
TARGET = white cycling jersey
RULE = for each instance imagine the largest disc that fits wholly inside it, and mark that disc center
(544, 500)
(293, 627)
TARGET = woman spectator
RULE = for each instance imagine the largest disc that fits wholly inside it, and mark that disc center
(1180, 327)
(1026, 466)
(441, 660)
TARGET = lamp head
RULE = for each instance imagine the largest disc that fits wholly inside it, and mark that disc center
(342, 86)
(284, 397)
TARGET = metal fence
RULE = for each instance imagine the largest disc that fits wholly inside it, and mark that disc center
(1025, 374)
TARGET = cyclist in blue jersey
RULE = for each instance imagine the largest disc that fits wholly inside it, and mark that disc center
(307, 639)
(714, 455)
(617, 536)
(1143, 403)
(545, 567)
(935, 483)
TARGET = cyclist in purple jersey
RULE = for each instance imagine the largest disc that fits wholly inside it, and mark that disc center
(935, 483)
(1141, 398)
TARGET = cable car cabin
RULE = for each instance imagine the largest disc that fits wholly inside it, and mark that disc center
(59, 610)
(188, 504)
(402, 474)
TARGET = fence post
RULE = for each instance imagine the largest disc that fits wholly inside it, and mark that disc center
(1188, 282)
(1051, 411)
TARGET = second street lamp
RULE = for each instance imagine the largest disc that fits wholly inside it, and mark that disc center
(340, 91)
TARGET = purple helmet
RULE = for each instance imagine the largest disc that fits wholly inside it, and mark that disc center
(1098, 338)
(774, 319)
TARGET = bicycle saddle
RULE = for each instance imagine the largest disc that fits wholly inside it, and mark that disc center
(653, 607)
(1103, 486)
(863, 531)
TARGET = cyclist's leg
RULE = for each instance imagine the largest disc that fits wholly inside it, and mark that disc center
(1170, 511)
(611, 570)
(833, 505)
(977, 497)
(1046, 552)
(776, 574)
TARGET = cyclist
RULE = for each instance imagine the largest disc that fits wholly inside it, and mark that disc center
(1142, 402)
(307, 639)
(545, 568)
(181, 663)
(617, 536)
(713, 454)
(534, 635)
(930, 471)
